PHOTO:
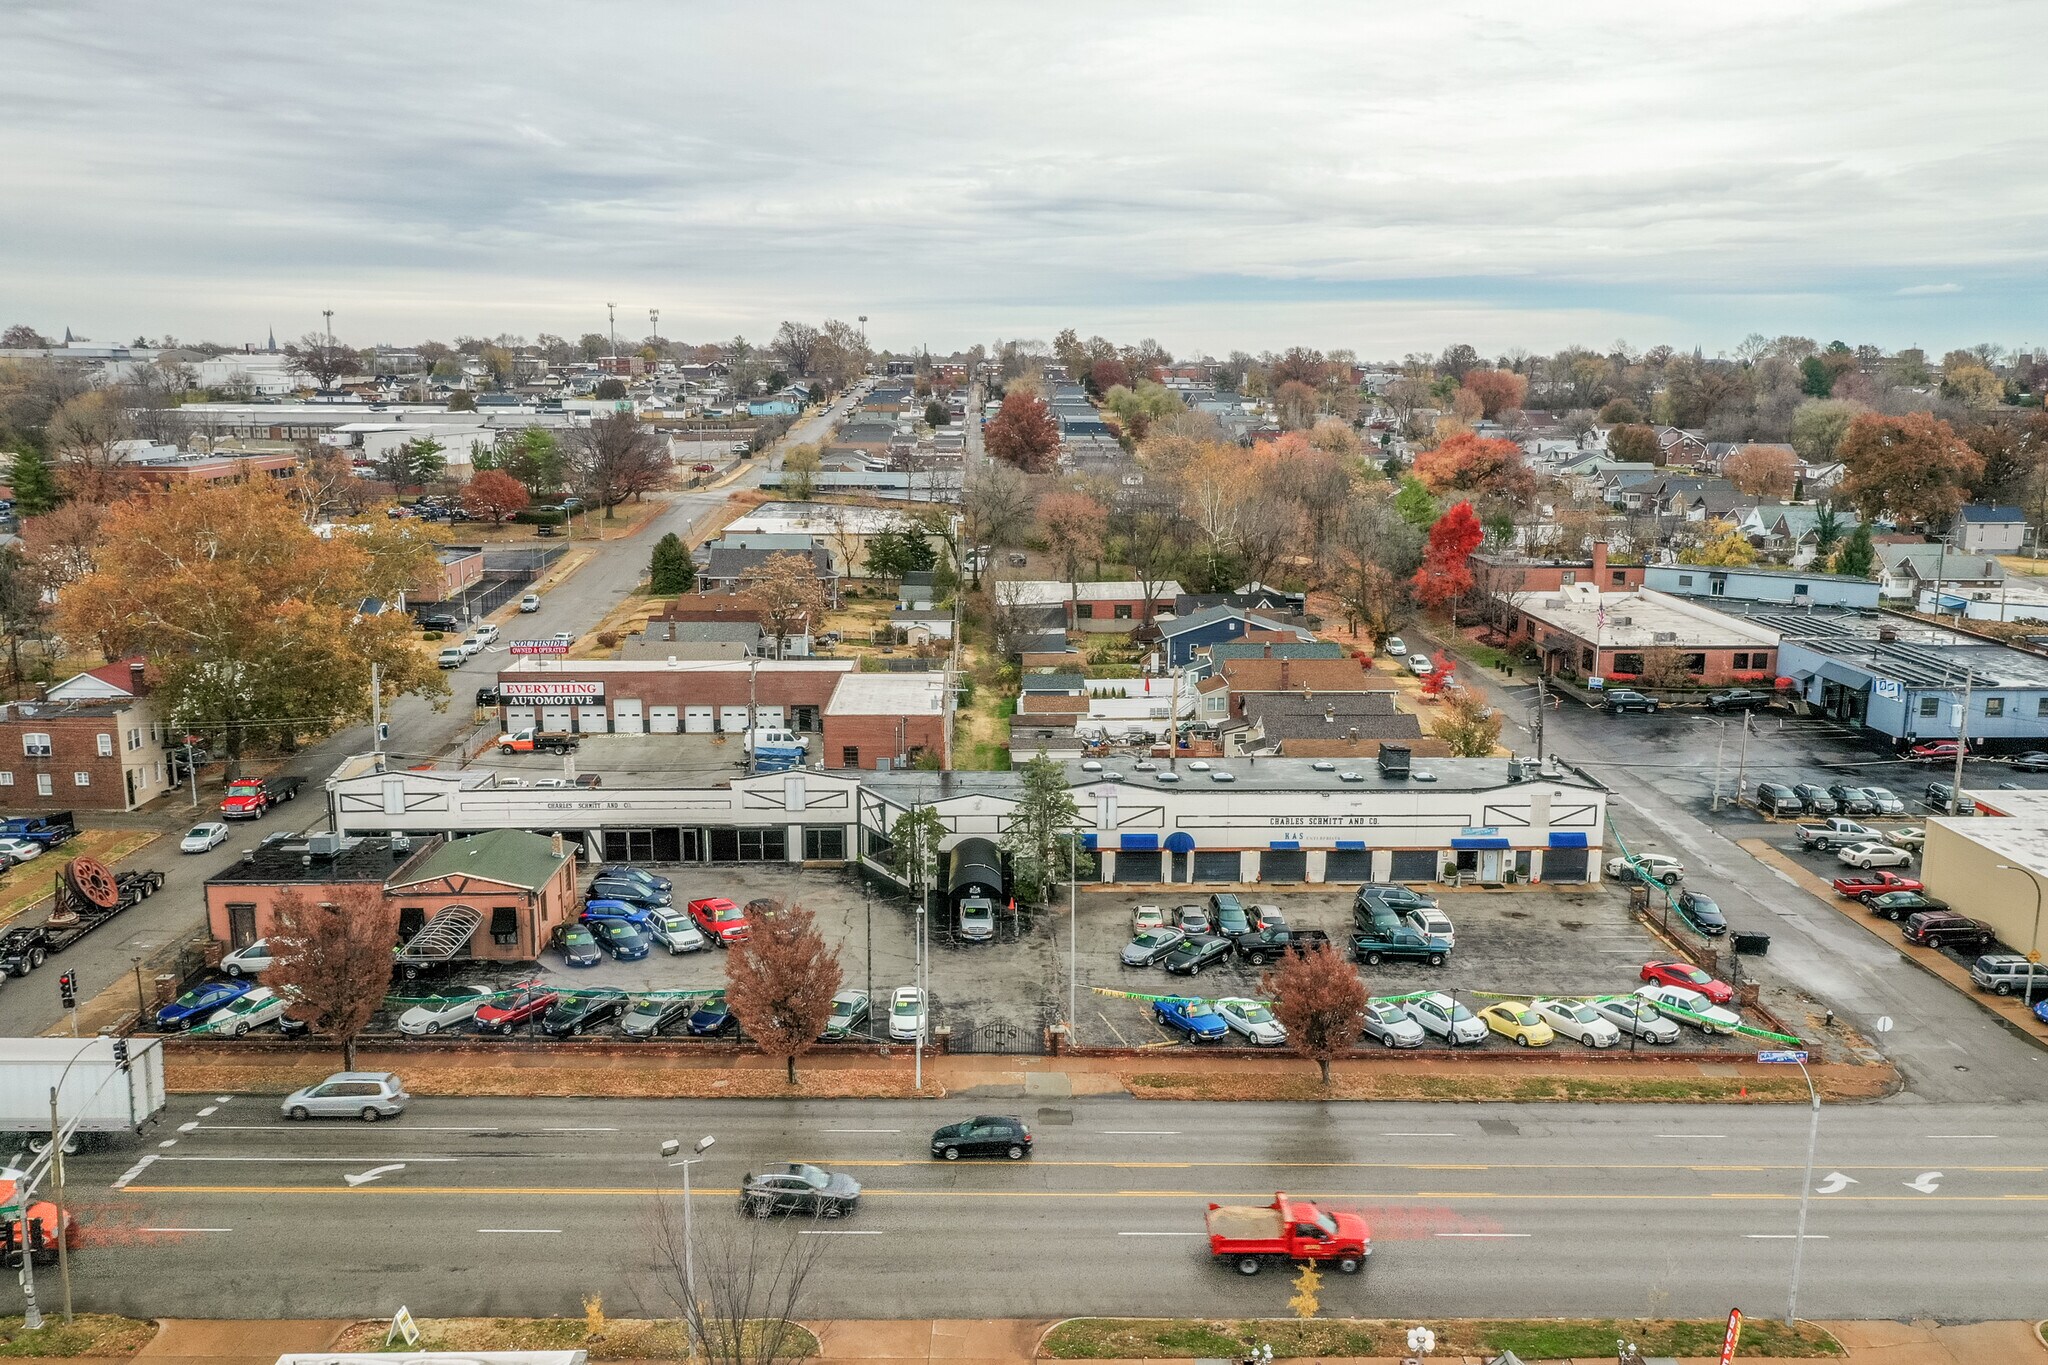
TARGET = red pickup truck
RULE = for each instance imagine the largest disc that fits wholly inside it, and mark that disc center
(1287, 1230)
(1861, 886)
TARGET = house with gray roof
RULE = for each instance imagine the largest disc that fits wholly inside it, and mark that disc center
(1906, 569)
(733, 570)
(1987, 529)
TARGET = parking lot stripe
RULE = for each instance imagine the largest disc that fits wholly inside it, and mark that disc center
(1140, 1132)
(1692, 1135)
(1162, 1234)
(863, 1130)
(1419, 1134)
(839, 1232)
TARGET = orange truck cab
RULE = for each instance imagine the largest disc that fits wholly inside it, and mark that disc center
(38, 1231)
(1287, 1230)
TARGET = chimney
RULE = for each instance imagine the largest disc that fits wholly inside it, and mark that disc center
(1269, 650)
(1329, 713)
(555, 844)
(135, 672)
(1283, 669)
(1599, 564)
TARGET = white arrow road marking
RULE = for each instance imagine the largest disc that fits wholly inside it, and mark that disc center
(367, 1176)
(1834, 1183)
(1927, 1182)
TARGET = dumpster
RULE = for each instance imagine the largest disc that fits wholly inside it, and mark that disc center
(1756, 945)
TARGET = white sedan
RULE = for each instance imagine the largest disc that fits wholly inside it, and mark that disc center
(484, 631)
(1639, 1017)
(1254, 1021)
(1420, 666)
(1651, 867)
(259, 1007)
(906, 1014)
(456, 1005)
(20, 850)
(1690, 1007)
(203, 838)
(1577, 1020)
(1906, 836)
(1875, 855)
(253, 960)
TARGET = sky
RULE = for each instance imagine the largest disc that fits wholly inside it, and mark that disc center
(1387, 177)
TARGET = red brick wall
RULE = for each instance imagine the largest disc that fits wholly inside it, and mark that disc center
(74, 744)
(880, 737)
(677, 687)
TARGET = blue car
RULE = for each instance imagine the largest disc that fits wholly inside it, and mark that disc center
(711, 1016)
(192, 1008)
(1195, 1020)
(2041, 1011)
(619, 938)
(577, 946)
(622, 872)
(637, 916)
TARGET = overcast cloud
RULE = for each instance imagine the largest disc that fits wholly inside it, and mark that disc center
(1380, 176)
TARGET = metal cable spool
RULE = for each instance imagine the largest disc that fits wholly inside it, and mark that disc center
(92, 881)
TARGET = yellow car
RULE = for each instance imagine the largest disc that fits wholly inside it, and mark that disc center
(1513, 1019)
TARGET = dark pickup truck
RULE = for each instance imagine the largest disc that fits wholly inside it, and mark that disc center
(1389, 938)
(1263, 946)
(49, 830)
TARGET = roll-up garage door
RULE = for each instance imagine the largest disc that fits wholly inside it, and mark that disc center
(768, 717)
(1217, 867)
(592, 720)
(627, 718)
(1137, 867)
(1348, 865)
(1564, 864)
(1283, 865)
(519, 718)
(697, 720)
(732, 719)
(557, 718)
(664, 720)
(1415, 864)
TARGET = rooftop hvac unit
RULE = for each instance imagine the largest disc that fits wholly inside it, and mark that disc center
(1394, 760)
(323, 845)
(1665, 637)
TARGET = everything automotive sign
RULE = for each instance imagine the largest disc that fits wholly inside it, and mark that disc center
(553, 689)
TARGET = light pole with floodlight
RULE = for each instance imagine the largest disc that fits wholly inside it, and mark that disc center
(2033, 947)
(669, 1149)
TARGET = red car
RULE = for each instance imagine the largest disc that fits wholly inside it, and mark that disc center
(1863, 885)
(722, 921)
(504, 1016)
(1935, 748)
(1692, 978)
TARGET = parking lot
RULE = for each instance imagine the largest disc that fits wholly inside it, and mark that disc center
(631, 760)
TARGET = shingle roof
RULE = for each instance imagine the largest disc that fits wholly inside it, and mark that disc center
(1282, 675)
(736, 564)
(513, 857)
(1988, 512)
(1052, 682)
(1291, 649)
(1181, 625)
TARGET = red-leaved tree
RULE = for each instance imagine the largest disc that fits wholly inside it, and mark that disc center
(1446, 572)
(1321, 1003)
(1023, 433)
(335, 958)
(1476, 464)
(493, 496)
(780, 981)
(1439, 676)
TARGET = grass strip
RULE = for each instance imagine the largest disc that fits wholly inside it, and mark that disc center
(605, 1338)
(90, 1335)
(1530, 1338)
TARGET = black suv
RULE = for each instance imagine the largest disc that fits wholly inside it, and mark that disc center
(1775, 798)
(1619, 702)
(1947, 929)
(984, 1135)
(439, 620)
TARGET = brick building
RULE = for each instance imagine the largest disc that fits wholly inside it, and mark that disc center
(877, 720)
(507, 888)
(1581, 632)
(1505, 575)
(93, 743)
(457, 569)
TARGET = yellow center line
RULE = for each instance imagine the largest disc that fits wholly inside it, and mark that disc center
(1347, 1196)
(862, 1162)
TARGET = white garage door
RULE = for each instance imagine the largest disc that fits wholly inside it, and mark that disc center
(768, 717)
(697, 720)
(556, 718)
(519, 718)
(663, 720)
(592, 720)
(732, 719)
(627, 719)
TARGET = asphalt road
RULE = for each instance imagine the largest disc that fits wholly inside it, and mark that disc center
(1949, 1049)
(485, 1207)
(420, 733)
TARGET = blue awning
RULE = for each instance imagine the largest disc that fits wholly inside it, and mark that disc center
(1355, 845)
(1088, 841)
(1489, 841)
(1560, 839)
(1285, 843)
(1180, 841)
(1140, 843)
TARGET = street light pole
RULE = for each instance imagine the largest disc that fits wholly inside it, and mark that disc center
(1073, 979)
(2034, 945)
(670, 1148)
(1805, 1194)
(57, 1170)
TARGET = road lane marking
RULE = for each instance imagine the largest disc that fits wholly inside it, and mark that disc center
(188, 1229)
(1362, 1165)
(1141, 1132)
(1960, 1137)
(579, 1130)
(1785, 1236)
(310, 1160)
(168, 1142)
(508, 1232)
(137, 1169)
(863, 1130)
(284, 1127)
(209, 1111)
(1484, 1234)
(1692, 1135)
(1162, 1234)
(188, 1127)
(1419, 1135)
(839, 1232)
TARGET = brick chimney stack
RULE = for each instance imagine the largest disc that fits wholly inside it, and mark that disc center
(1600, 565)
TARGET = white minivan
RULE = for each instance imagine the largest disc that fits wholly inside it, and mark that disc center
(773, 737)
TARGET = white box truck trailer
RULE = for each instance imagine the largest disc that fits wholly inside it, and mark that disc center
(95, 1092)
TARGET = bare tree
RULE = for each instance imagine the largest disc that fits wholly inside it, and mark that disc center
(335, 957)
(740, 1284)
(617, 457)
(319, 359)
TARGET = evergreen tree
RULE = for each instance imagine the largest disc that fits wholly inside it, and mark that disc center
(35, 483)
(1044, 821)
(1416, 504)
(671, 571)
(1858, 557)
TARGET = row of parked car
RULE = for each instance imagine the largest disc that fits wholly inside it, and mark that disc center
(1389, 921)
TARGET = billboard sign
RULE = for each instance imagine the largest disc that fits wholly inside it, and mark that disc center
(554, 689)
(538, 647)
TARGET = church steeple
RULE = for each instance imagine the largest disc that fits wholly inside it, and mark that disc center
(273, 340)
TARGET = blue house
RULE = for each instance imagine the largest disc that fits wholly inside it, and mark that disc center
(1181, 636)
(771, 407)
(1906, 680)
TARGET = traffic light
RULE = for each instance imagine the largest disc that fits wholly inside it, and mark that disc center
(121, 1053)
(67, 989)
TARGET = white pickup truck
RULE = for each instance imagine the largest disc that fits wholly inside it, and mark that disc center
(1838, 833)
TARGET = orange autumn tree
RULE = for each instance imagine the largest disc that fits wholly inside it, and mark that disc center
(1465, 463)
(252, 623)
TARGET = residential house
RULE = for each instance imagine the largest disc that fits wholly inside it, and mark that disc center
(1276, 602)
(737, 570)
(1680, 497)
(921, 627)
(93, 742)
(1681, 445)
(916, 592)
(1905, 570)
(1181, 636)
(1103, 607)
(1791, 531)
(740, 639)
(1985, 529)
(1326, 725)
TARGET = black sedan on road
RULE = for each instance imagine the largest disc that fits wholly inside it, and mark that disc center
(1703, 913)
(574, 1014)
(798, 1188)
(985, 1135)
(1195, 952)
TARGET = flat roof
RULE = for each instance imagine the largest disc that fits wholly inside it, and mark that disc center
(289, 862)
(1922, 655)
(547, 667)
(1300, 774)
(1643, 619)
(889, 694)
(2022, 838)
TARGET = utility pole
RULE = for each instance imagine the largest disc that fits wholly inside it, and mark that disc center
(1742, 762)
(1542, 705)
(192, 772)
(57, 1169)
(611, 312)
(377, 710)
(1962, 738)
